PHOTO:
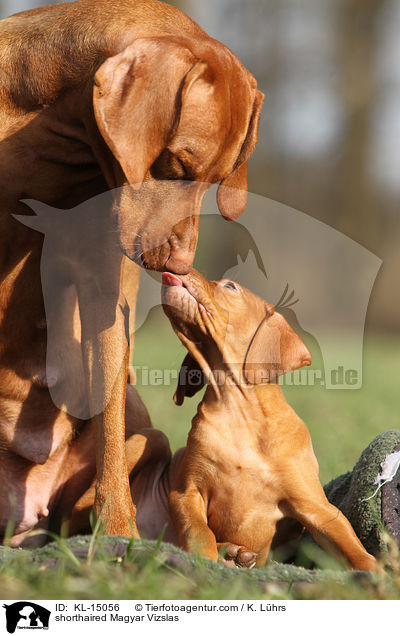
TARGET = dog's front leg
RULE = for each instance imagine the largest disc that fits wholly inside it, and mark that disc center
(190, 521)
(328, 526)
(105, 348)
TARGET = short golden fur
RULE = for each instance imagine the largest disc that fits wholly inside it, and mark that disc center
(248, 479)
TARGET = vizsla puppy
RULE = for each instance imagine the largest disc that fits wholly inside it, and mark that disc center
(248, 477)
(132, 97)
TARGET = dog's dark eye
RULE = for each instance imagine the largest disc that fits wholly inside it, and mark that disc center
(230, 285)
(169, 166)
(182, 170)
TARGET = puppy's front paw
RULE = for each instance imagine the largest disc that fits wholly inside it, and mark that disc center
(236, 555)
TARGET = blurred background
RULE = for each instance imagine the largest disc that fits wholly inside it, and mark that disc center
(329, 146)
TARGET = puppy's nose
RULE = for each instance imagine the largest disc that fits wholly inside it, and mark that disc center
(171, 280)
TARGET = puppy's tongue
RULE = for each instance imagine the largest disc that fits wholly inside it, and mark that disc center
(171, 280)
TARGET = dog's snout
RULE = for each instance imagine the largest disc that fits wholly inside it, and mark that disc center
(183, 243)
(307, 359)
(179, 262)
(304, 354)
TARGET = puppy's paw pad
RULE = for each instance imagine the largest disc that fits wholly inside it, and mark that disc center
(245, 558)
(239, 556)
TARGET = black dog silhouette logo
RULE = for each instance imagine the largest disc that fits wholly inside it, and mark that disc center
(26, 615)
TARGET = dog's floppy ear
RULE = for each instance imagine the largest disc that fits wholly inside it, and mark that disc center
(274, 349)
(137, 100)
(232, 192)
(191, 380)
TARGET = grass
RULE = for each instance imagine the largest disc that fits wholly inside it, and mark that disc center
(118, 569)
(341, 424)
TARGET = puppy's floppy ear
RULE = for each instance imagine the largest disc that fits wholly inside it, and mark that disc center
(232, 192)
(274, 349)
(137, 100)
(191, 380)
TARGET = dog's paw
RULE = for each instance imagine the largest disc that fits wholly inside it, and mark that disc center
(236, 555)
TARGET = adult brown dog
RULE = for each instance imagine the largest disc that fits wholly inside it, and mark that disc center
(96, 95)
(248, 477)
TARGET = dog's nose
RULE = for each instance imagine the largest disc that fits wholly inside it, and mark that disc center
(306, 357)
(179, 263)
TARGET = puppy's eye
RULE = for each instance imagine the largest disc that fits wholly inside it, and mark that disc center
(230, 285)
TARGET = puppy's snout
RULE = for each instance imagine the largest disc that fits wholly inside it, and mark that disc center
(171, 280)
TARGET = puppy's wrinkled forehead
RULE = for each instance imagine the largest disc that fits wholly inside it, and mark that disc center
(240, 301)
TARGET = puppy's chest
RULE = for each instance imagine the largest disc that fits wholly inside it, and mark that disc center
(234, 458)
(244, 508)
(243, 491)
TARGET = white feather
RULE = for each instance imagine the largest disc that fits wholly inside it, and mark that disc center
(390, 466)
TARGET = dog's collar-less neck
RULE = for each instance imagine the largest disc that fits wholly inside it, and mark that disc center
(244, 375)
(255, 406)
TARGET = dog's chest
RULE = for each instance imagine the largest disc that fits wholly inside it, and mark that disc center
(244, 491)
(244, 507)
(41, 162)
(244, 522)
